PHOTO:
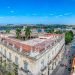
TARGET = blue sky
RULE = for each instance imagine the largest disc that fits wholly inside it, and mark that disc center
(37, 11)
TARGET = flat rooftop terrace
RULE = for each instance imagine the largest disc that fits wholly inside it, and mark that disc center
(35, 44)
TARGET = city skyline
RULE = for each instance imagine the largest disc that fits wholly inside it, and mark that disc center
(37, 11)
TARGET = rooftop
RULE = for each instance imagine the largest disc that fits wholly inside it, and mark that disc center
(36, 45)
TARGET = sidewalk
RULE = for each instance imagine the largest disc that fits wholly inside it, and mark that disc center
(61, 70)
(56, 69)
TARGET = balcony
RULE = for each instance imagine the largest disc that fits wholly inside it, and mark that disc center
(49, 62)
(26, 71)
(43, 68)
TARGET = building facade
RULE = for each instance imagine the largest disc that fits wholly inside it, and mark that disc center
(73, 67)
(38, 56)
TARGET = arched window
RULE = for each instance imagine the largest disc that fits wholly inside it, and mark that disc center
(25, 65)
(42, 64)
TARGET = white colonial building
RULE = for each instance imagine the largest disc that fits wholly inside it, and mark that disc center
(38, 56)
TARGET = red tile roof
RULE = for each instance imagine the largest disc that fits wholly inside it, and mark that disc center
(28, 48)
(18, 45)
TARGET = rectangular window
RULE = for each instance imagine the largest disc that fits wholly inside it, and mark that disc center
(25, 66)
(10, 56)
(0, 49)
(4, 52)
(16, 60)
(42, 63)
(48, 56)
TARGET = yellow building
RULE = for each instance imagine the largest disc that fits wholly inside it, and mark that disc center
(73, 67)
(38, 56)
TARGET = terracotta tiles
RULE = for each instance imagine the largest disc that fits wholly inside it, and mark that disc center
(27, 48)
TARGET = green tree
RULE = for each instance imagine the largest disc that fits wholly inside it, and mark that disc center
(18, 33)
(58, 32)
(48, 30)
(71, 33)
(27, 32)
(68, 37)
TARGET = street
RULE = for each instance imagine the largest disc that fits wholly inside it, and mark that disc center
(68, 55)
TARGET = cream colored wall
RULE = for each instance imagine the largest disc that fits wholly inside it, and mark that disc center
(35, 66)
(52, 52)
(21, 58)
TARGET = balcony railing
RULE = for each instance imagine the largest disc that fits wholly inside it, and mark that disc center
(43, 68)
(26, 71)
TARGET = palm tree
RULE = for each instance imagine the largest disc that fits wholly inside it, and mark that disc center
(27, 32)
(8, 31)
(18, 32)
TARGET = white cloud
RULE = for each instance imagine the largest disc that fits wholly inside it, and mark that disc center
(12, 11)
